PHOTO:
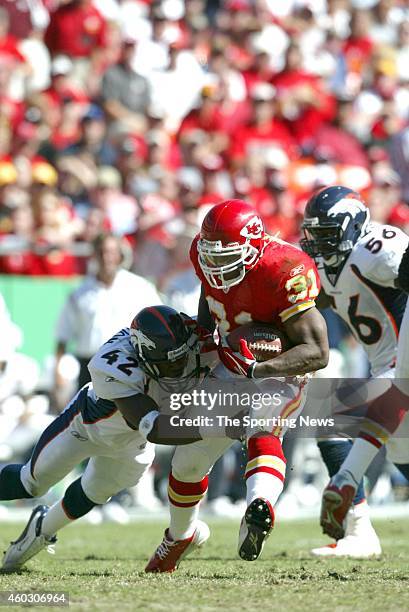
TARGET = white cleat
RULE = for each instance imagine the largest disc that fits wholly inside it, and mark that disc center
(360, 540)
(29, 543)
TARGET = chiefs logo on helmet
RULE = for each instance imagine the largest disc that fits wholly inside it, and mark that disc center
(253, 228)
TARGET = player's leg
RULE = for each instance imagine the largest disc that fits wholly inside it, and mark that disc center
(360, 539)
(386, 412)
(55, 455)
(397, 448)
(109, 471)
(187, 487)
(18, 481)
(266, 465)
(383, 417)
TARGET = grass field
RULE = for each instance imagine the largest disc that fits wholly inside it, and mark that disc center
(102, 569)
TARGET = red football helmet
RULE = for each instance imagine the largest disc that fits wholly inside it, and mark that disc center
(230, 243)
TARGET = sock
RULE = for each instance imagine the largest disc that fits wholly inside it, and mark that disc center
(55, 519)
(388, 410)
(73, 505)
(184, 501)
(361, 511)
(358, 523)
(333, 453)
(360, 457)
(265, 470)
(11, 486)
(404, 469)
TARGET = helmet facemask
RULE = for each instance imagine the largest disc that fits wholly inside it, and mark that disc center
(326, 243)
(335, 218)
(225, 266)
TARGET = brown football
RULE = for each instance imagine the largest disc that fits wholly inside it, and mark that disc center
(265, 341)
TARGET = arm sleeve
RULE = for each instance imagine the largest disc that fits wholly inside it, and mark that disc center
(383, 267)
(108, 383)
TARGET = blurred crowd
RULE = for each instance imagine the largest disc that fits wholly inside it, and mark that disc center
(135, 115)
(130, 118)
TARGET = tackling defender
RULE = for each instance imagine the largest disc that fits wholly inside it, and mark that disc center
(358, 263)
(246, 275)
(113, 421)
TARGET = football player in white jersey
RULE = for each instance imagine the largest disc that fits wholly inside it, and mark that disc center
(358, 263)
(113, 421)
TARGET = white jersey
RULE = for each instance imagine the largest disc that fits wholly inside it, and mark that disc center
(115, 374)
(365, 296)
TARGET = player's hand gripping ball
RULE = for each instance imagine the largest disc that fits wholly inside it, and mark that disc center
(259, 341)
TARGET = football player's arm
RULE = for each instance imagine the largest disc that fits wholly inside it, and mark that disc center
(136, 407)
(307, 331)
(204, 317)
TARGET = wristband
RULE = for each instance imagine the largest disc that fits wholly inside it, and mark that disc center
(147, 422)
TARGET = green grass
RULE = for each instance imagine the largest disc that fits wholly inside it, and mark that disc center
(102, 569)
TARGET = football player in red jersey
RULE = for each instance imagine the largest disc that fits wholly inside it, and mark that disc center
(246, 276)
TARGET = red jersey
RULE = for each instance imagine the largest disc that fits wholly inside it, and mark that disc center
(284, 282)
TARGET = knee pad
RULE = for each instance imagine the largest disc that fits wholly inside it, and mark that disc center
(35, 488)
(191, 465)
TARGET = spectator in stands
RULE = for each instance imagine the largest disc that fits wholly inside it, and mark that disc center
(120, 210)
(125, 93)
(105, 302)
(93, 140)
(77, 29)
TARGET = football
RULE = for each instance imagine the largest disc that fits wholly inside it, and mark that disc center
(264, 340)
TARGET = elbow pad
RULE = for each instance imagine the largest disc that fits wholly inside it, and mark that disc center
(403, 272)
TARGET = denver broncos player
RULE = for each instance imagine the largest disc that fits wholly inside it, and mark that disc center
(358, 263)
(246, 275)
(113, 422)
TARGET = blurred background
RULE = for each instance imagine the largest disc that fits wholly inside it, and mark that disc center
(121, 123)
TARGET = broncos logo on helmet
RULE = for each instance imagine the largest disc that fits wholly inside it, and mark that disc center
(163, 340)
(334, 220)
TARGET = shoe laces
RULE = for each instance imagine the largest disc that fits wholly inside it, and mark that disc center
(164, 548)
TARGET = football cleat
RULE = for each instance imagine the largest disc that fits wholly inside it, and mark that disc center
(170, 553)
(29, 543)
(336, 501)
(256, 526)
(360, 541)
